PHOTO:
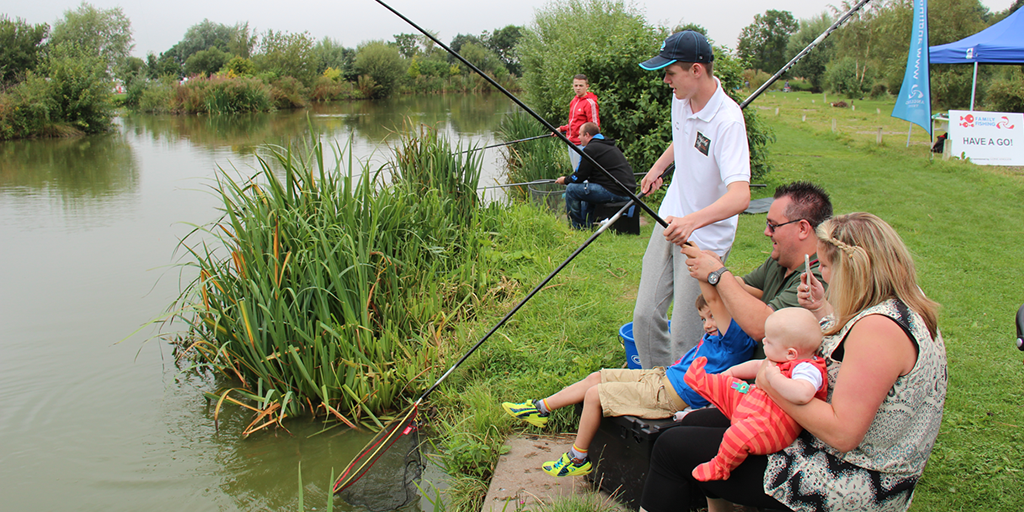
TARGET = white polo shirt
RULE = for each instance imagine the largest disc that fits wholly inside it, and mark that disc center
(711, 152)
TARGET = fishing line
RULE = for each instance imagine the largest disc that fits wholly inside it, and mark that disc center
(523, 184)
(506, 143)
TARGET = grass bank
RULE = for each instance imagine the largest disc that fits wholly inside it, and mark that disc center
(963, 224)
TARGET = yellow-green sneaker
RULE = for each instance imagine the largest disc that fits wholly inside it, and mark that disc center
(567, 466)
(527, 412)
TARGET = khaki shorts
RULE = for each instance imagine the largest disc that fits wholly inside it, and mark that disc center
(642, 393)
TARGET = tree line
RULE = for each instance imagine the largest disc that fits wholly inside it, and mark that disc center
(868, 55)
(58, 80)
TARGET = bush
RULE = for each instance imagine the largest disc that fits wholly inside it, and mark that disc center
(383, 65)
(79, 89)
(287, 92)
(157, 97)
(25, 109)
(238, 66)
(206, 62)
(1007, 94)
(327, 89)
(847, 76)
(878, 91)
(635, 104)
(755, 78)
(220, 95)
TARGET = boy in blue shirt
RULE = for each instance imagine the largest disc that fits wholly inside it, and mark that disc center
(651, 394)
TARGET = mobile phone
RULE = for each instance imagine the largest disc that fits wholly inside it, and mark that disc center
(807, 268)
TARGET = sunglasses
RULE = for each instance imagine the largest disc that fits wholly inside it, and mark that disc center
(773, 227)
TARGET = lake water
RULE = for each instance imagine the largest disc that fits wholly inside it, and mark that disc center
(95, 418)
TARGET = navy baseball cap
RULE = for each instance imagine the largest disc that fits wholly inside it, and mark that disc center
(685, 46)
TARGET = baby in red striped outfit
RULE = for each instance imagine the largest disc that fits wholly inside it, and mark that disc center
(759, 426)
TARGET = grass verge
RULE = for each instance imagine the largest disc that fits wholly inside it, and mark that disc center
(963, 224)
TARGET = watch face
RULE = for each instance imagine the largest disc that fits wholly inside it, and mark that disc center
(713, 278)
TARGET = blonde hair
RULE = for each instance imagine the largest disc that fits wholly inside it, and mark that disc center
(870, 264)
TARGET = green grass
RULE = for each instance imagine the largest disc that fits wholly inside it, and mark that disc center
(963, 224)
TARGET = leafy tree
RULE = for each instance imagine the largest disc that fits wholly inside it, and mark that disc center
(242, 42)
(382, 65)
(79, 86)
(103, 32)
(844, 76)
(635, 104)
(881, 41)
(763, 43)
(562, 42)
(163, 66)
(694, 27)
(328, 53)
(283, 54)
(856, 40)
(503, 43)
(483, 58)
(812, 65)
(203, 36)
(408, 45)
(20, 45)
(461, 39)
(206, 62)
(132, 69)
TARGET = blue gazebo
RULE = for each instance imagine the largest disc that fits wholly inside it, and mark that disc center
(1002, 43)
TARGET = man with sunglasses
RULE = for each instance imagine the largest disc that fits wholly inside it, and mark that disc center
(795, 213)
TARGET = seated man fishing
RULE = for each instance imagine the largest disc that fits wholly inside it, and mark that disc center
(588, 185)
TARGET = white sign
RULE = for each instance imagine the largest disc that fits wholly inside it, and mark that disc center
(987, 138)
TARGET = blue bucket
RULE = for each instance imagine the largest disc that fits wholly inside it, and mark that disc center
(632, 358)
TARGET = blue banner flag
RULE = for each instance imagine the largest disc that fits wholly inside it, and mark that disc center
(914, 103)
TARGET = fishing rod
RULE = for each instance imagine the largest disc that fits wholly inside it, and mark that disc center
(629, 192)
(506, 143)
(523, 184)
(839, 21)
(406, 423)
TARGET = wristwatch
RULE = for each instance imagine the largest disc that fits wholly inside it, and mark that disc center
(715, 276)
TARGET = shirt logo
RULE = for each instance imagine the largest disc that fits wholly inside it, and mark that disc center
(703, 143)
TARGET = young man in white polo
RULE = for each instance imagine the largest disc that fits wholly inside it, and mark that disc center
(710, 187)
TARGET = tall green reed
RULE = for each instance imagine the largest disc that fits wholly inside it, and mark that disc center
(324, 291)
(532, 160)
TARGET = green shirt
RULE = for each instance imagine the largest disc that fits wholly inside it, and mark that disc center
(778, 289)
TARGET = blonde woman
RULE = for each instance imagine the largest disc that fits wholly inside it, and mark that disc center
(866, 445)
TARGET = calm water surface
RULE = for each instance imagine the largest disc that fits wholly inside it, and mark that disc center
(88, 229)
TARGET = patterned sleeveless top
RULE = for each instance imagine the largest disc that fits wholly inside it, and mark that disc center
(880, 473)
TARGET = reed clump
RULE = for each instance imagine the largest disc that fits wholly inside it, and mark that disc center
(531, 160)
(219, 95)
(325, 291)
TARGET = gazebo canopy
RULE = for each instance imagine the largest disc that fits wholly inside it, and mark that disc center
(1002, 43)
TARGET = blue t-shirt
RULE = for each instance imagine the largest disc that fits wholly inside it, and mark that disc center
(723, 352)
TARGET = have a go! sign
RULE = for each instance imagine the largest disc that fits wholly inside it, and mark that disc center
(987, 138)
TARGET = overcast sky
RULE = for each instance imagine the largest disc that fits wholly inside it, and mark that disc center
(157, 25)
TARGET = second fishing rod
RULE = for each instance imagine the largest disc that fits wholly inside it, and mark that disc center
(629, 191)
